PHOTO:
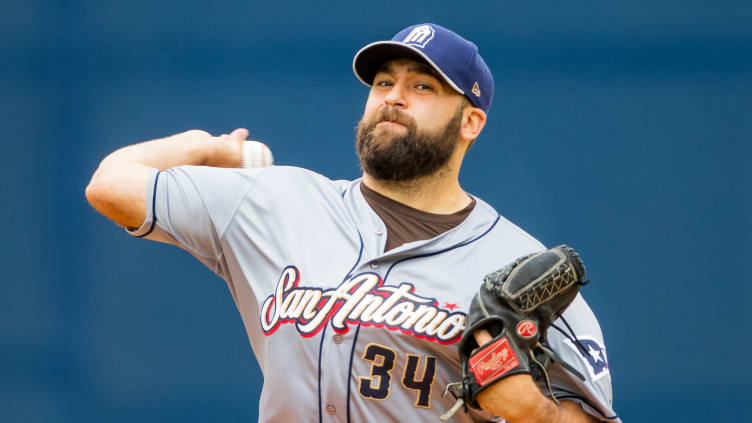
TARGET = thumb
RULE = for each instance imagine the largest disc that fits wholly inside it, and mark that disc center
(240, 133)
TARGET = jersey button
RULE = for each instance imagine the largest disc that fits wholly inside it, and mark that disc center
(378, 230)
(374, 265)
(337, 339)
(330, 409)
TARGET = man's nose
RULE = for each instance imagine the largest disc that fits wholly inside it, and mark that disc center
(396, 97)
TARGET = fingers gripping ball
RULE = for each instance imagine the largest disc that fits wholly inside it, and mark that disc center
(256, 154)
(516, 304)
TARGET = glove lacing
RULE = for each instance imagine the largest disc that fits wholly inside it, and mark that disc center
(545, 372)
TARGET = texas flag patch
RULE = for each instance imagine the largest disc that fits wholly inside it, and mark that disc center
(592, 353)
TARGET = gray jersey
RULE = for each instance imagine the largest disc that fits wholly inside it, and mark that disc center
(343, 331)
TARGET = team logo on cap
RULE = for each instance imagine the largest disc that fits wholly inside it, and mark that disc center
(526, 329)
(419, 36)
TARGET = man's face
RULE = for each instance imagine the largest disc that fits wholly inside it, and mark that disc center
(411, 122)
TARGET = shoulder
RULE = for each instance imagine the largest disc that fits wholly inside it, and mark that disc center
(291, 193)
(296, 179)
(278, 173)
(510, 239)
(285, 186)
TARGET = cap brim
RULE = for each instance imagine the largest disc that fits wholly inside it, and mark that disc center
(368, 60)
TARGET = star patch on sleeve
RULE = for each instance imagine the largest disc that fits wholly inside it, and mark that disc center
(450, 306)
(592, 353)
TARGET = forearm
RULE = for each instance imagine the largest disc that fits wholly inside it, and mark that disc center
(188, 148)
(118, 186)
(518, 400)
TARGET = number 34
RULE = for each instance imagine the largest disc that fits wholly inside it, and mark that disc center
(378, 384)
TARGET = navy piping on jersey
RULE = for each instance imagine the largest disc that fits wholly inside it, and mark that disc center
(360, 255)
(321, 346)
(153, 207)
(349, 372)
(444, 250)
(323, 336)
(355, 338)
(566, 396)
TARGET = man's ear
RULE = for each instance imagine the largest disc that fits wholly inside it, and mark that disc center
(473, 121)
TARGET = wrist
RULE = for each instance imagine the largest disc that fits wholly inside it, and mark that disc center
(224, 152)
(517, 399)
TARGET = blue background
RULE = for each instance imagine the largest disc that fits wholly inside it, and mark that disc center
(621, 128)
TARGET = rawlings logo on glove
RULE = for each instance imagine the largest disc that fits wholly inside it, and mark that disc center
(491, 363)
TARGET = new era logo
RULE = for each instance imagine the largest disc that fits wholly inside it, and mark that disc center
(419, 36)
(476, 89)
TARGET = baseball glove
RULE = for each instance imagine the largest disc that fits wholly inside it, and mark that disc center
(516, 304)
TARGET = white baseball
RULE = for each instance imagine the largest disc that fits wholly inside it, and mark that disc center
(256, 154)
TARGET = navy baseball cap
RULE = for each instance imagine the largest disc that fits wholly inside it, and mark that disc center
(454, 58)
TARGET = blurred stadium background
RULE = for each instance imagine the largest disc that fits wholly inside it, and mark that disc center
(621, 128)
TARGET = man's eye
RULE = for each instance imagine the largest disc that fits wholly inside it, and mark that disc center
(383, 83)
(423, 87)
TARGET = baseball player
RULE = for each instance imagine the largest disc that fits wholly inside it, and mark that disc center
(354, 294)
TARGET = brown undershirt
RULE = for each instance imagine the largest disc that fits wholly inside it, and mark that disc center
(405, 224)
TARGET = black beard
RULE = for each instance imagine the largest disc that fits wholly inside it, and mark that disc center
(404, 158)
